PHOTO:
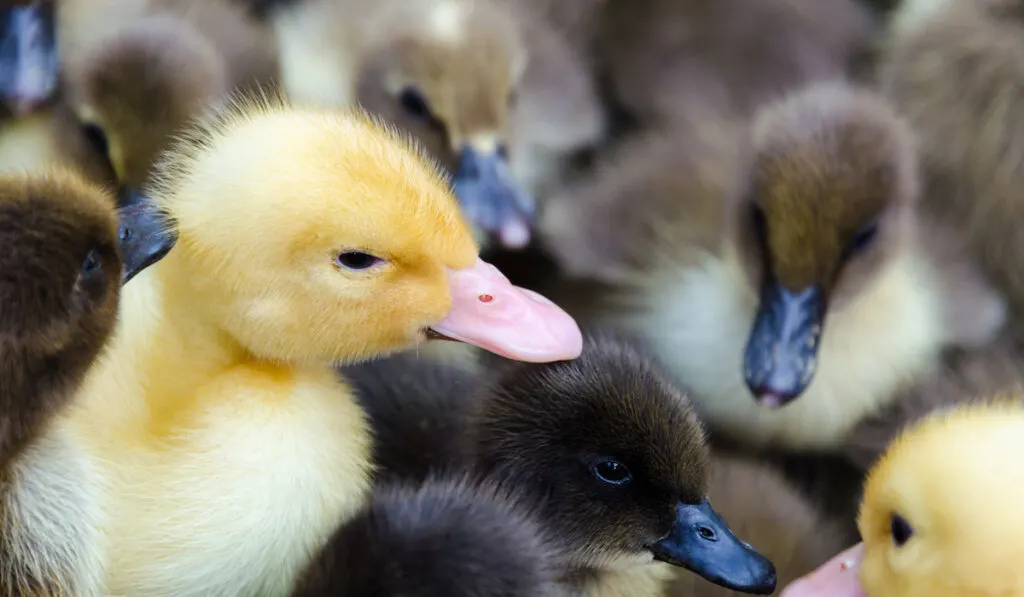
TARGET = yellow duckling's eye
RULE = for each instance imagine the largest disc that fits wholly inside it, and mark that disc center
(357, 260)
(901, 530)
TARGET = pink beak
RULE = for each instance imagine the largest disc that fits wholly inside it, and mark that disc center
(519, 324)
(839, 577)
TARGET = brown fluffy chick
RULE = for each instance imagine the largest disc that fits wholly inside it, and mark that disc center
(788, 268)
(143, 77)
(63, 263)
(764, 509)
(676, 59)
(956, 70)
(449, 536)
(605, 450)
(29, 69)
(496, 96)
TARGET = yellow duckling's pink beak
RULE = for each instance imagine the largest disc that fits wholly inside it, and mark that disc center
(839, 577)
(489, 312)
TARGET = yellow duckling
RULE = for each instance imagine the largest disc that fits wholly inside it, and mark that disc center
(941, 515)
(222, 448)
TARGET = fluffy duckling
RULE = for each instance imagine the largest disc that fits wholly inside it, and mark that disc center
(217, 395)
(968, 119)
(448, 536)
(29, 68)
(666, 60)
(801, 268)
(142, 79)
(62, 268)
(924, 536)
(497, 96)
(605, 448)
(767, 511)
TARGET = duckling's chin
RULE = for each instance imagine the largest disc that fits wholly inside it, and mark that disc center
(625, 560)
(489, 312)
(839, 577)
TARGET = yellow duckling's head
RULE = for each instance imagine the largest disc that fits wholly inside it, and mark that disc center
(314, 234)
(941, 516)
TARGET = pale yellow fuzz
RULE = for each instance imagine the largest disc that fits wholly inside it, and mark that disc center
(222, 448)
(706, 312)
(957, 479)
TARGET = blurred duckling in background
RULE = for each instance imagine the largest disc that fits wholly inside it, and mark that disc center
(29, 68)
(763, 508)
(140, 79)
(63, 269)
(606, 450)
(954, 69)
(449, 536)
(800, 274)
(498, 97)
(941, 515)
(219, 381)
(669, 60)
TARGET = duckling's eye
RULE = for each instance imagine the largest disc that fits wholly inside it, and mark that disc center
(357, 260)
(864, 238)
(91, 263)
(900, 529)
(414, 103)
(612, 472)
(94, 135)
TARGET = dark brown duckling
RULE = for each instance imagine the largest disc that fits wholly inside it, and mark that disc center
(63, 266)
(29, 69)
(448, 536)
(606, 449)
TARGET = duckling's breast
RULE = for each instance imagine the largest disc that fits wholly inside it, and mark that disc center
(699, 319)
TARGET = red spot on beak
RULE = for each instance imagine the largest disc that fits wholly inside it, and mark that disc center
(485, 298)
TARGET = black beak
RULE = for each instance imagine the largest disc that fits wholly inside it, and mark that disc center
(701, 542)
(492, 199)
(29, 68)
(782, 352)
(145, 236)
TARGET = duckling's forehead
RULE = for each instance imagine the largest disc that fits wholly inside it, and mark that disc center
(308, 177)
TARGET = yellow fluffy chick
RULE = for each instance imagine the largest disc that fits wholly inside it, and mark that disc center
(222, 447)
(941, 515)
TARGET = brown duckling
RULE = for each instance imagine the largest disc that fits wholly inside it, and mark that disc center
(29, 69)
(495, 95)
(793, 263)
(63, 265)
(144, 78)
(767, 511)
(675, 60)
(953, 68)
(608, 452)
(448, 536)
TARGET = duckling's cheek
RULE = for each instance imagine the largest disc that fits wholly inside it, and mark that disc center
(839, 577)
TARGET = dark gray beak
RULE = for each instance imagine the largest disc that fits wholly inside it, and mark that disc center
(782, 351)
(146, 235)
(702, 542)
(492, 199)
(29, 69)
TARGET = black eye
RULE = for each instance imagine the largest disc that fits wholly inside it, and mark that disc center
(94, 135)
(864, 238)
(357, 260)
(612, 471)
(414, 103)
(900, 529)
(91, 263)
